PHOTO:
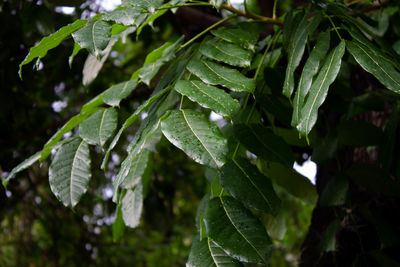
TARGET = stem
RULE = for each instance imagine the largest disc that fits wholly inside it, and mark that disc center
(205, 31)
(180, 105)
(252, 15)
(274, 9)
(334, 27)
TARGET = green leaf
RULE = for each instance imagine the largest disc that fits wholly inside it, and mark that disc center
(69, 172)
(125, 16)
(118, 226)
(252, 6)
(296, 49)
(276, 106)
(156, 59)
(116, 93)
(136, 169)
(22, 166)
(375, 65)
(132, 205)
(51, 41)
(310, 69)
(262, 142)
(245, 183)
(215, 74)
(99, 127)
(76, 50)
(196, 136)
(292, 181)
(328, 239)
(74, 121)
(236, 230)
(231, 54)
(244, 34)
(129, 121)
(149, 5)
(200, 211)
(319, 89)
(207, 253)
(209, 97)
(94, 36)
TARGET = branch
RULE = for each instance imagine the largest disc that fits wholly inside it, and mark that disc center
(252, 15)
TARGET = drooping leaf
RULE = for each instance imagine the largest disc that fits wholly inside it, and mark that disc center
(116, 93)
(236, 230)
(296, 49)
(215, 74)
(244, 34)
(292, 181)
(99, 127)
(246, 183)
(375, 65)
(209, 97)
(149, 5)
(94, 36)
(328, 239)
(207, 253)
(136, 169)
(69, 172)
(118, 226)
(264, 143)
(74, 121)
(196, 136)
(231, 54)
(310, 69)
(319, 89)
(51, 41)
(22, 166)
(156, 59)
(125, 16)
(132, 205)
(129, 121)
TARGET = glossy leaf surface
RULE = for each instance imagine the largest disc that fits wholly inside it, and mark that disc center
(209, 96)
(296, 49)
(244, 34)
(207, 253)
(236, 230)
(125, 16)
(94, 36)
(136, 169)
(196, 136)
(246, 183)
(310, 69)
(319, 89)
(231, 54)
(149, 5)
(99, 127)
(69, 172)
(156, 60)
(375, 65)
(215, 74)
(51, 41)
(116, 93)
(264, 143)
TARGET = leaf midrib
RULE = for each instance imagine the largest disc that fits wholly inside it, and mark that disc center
(252, 182)
(204, 92)
(244, 237)
(190, 127)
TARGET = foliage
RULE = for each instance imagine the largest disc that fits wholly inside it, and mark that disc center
(250, 153)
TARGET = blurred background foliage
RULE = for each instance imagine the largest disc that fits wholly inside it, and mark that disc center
(35, 228)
